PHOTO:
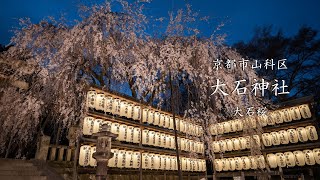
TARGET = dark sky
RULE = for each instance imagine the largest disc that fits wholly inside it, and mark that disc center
(241, 17)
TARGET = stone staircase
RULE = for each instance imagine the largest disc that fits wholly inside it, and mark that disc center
(17, 169)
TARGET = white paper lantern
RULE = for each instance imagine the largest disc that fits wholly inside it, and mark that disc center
(88, 124)
(305, 111)
(145, 136)
(156, 118)
(116, 105)
(248, 142)
(282, 116)
(216, 146)
(123, 109)
(172, 143)
(253, 162)
(290, 160)
(146, 161)
(213, 129)
(114, 160)
(130, 134)
(295, 113)
(129, 159)
(201, 149)
(225, 164)
(192, 148)
(123, 132)
(277, 116)
(158, 139)
(145, 113)
(275, 138)
(163, 140)
(271, 119)
(169, 163)
(256, 140)
(245, 163)
(136, 135)
(91, 98)
(183, 164)
(115, 128)
(186, 126)
(129, 112)
(108, 104)
(263, 120)
(312, 133)
(226, 127)
(218, 165)
(243, 143)
(229, 145)
(203, 165)
(97, 125)
(152, 138)
(281, 160)
(267, 139)
(232, 164)
(84, 155)
(233, 127)
(287, 115)
(284, 138)
(171, 123)
(223, 145)
(167, 121)
(151, 116)
(168, 141)
(183, 144)
(136, 113)
(272, 160)
(162, 122)
(316, 154)
(187, 141)
(182, 125)
(100, 102)
(177, 124)
(293, 135)
(236, 144)
(309, 157)
(152, 161)
(122, 159)
(261, 162)
(302, 134)
(220, 129)
(238, 163)
(157, 160)
(136, 158)
(239, 125)
(175, 164)
(299, 158)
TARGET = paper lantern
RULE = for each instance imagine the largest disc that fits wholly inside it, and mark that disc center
(226, 127)
(293, 135)
(115, 128)
(216, 146)
(312, 133)
(163, 140)
(236, 144)
(163, 162)
(157, 160)
(302, 134)
(88, 124)
(121, 159)
(272, 160)
(309, 157)
(220, 129)
(281, 160)
(263, 120)
(287, 115)
(177, 124)
(167, 121)
(295, 113)
(245, 163)
(213, 130)
(156, 118)
(284, 137)
(232, 164)
(136, 135)
(239, 125)
(316, 154)
(129, 112)
(225, 164)
(130, 133)
(290, 160)
(169, 163)
(187, 141)
(152, 160)
(114, 160)
(203, 165)
(183, 164)
(97, 125)
(253, 162)
(145, 112)
(171, 123)
(91, 98)
(267, 139)
(275, 138)
(129, 159)
(282, 116)
(238, 163)
(243, 143)
(172, 143)
(162, 122)
(146, 161)
(299, 158)
(145, 136)
(123, 132)
(175, 164)
(168, 141)
(152, 138)
(232, 126)
(271, 119)
(201, 149)
(136, 113)
(151, 116)
(229, 146)
(182, 125)
(192, 148)
(136, 158)
(186, 126)
(100, 102)
(116, 105)
(218, 165)
(277, 116)
(248, 142)
(123, 108)
(84, 155)
(261, 162)
(305, 111)
(256, 140)
(108, 104)
(183, 144)
(223, 145)
(158, 139)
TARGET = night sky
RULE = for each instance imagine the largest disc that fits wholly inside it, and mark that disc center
(240, 17)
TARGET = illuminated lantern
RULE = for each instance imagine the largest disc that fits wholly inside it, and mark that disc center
(123, 132)
(236, 143)
(108, 104)
(158, 139)
(146, 161)
(263, 120)
(213, 130)
(290, 160)
(239, 125)
(316, 154)
(238, 163)
(130, 132)
(183, 144)
(225, 164)
(295, 113)
(287, 115)
(284, 138)
(88, 124)
(122, 159)
(232, 165)
(91, 98)
(275, 138)
(309, 157)
(162, 120)
(162, 162)
(256, 140)
(261, 162)
(253, 162)
(282, 116)
(136, 157)
(100, 102)
(252, 122)
(163, 140)
(152, 138)
(171, 123)
(156, 118)
(293, 135)
(145, 136)
(152, 161)
(157, 160)
(232, 126)
(97, 125)
(129, 159)
(129, 113)
(216, 146)
(305, 111)
(203, 165)
(183, 164)
(302, 134)
(245, 163)
(136, 113)
(84, 155)
(266, 139)
(167, 121)
(272, 160)
(277, 116)
(192, 148)
(248, 142)
(150, 116)
(242, 143)
(271, 119)
(312, 133)
(116, 105)
(229, 145)
(187, 141)
(177, 124)
(226, 127)
(173, 143)
(201, 149)
(218, 165)
(299, 158)
(281, 160)
(112, 162)
(115, 128)
(145, 115)
(223, 145)
(220, 129)
(136, 135)
(123, 109)
(168, 141)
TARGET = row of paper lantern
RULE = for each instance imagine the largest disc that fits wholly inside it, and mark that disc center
(272, 118)
(132, 134)
(121, 107)
(287, 159)
(302, 134)
(132, 159)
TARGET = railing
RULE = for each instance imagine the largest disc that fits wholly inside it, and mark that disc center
(60, 153)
